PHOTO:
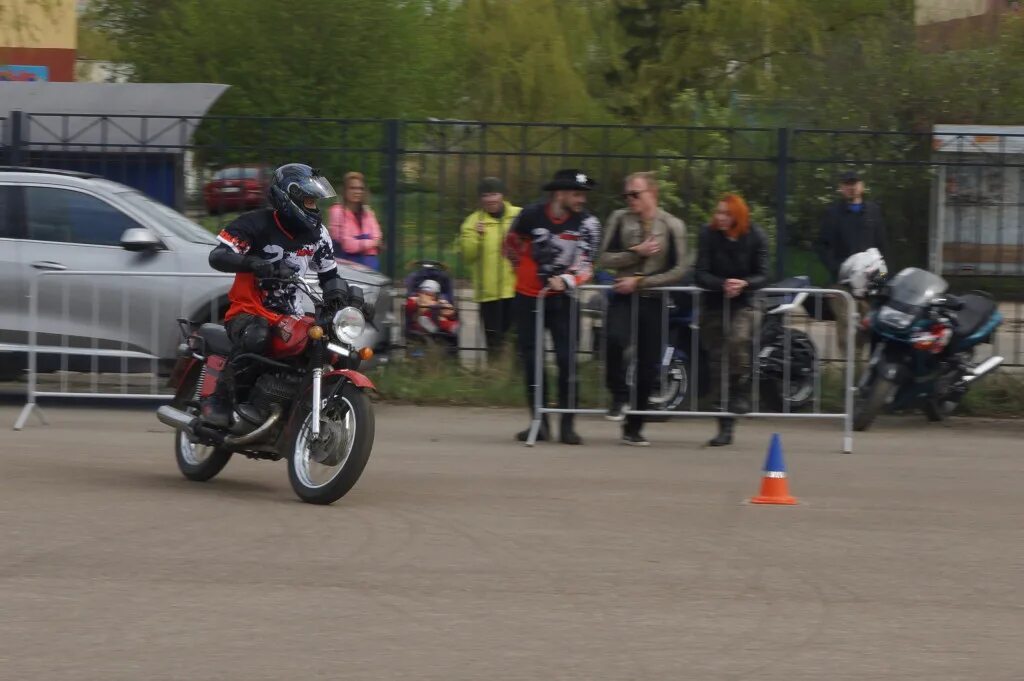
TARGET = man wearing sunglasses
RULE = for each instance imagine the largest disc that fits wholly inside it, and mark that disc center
(644, 247)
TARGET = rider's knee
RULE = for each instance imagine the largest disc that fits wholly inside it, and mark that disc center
(256, 337)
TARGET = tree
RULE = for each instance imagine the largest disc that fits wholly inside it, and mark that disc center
(324, 58)
(527, 61)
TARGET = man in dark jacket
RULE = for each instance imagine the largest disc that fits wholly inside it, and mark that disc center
(850, 225)
(732, 262)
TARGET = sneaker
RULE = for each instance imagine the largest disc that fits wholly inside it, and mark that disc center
(635, 440)
(617, 412)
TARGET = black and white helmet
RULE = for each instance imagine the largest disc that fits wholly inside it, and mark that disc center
(293, 184)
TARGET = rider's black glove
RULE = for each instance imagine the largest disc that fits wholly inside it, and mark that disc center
(337, 297)
(264, 269)
(356, 300)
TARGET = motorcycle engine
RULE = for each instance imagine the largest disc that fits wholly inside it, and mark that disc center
(271, 389)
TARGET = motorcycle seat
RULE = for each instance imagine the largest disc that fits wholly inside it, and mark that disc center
(977, 310)
(216, 337)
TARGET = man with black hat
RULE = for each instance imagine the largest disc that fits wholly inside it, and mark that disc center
(552, 246)
(850, 225)
(480, 241)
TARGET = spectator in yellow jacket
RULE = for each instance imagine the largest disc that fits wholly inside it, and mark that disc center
(480, 242)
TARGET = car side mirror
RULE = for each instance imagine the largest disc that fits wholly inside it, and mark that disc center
(139, 240)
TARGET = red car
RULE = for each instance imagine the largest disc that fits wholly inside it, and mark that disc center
(237, 188)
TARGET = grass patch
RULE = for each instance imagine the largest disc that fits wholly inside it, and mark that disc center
(438, 380)
(1000, 395)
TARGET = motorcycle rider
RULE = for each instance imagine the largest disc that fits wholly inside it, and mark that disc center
(262, 248)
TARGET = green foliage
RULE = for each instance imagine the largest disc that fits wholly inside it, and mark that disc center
(528, 58)
(437, 379)
(691, 183)
(317, 58)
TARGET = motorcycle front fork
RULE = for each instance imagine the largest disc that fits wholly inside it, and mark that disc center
(868, 372)
(314, 427)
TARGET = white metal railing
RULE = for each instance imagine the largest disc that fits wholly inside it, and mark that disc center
(846, 415)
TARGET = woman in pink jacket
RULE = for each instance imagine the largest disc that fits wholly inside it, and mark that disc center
(353, 226)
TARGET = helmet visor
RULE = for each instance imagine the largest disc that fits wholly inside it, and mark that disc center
(315, 187)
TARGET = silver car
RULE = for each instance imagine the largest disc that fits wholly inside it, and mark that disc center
(58, 221)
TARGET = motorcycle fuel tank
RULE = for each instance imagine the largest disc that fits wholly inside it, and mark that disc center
(290, 336)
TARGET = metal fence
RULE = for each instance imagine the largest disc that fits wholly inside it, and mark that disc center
(98, 334)
(952, 198)
(773, 363)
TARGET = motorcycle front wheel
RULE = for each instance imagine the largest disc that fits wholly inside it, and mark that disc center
(867, 406)
(323, 470)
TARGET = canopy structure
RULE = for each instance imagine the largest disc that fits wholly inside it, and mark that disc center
(134, 133)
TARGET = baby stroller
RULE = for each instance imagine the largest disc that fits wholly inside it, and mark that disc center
(431, 318)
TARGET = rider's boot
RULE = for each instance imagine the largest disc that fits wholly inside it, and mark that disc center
(216, 409)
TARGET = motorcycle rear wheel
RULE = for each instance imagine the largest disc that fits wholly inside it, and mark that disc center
(801, 393)
(196, 462)
(350, 415)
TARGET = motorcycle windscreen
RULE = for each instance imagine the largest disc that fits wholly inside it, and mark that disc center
(915, 287)
(910, 293)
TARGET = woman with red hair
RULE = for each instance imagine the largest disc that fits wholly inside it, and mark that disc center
(732, 262)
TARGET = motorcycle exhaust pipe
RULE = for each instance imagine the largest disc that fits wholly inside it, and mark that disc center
(984, 368)
(179, 420)
(256, 435)
(175, 418)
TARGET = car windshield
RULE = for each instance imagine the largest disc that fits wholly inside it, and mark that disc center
(173, 221)
(916, 287)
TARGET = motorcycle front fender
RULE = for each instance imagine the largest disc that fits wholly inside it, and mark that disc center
(354, 377)
(888, 363)
(331, 383)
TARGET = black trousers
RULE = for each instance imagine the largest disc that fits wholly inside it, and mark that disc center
(496, 317)
(248, 334)
(648, 351)
(556, 321)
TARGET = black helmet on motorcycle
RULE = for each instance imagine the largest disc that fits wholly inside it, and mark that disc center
(294, 194)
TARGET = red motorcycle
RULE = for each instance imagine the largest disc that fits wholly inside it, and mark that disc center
(308, 405)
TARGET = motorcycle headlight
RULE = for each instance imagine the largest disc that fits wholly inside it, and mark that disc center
(348, 324)
(895, 318)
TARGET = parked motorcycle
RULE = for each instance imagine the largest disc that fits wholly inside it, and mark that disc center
(923, 342)
(787, 361)
(309, 405)
(782, 388)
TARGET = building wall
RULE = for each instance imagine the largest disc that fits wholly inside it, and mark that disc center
(38, 40)
(935, 11)
(944, 25)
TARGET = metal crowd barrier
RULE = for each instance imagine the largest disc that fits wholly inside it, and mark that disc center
(162, 332)
(846, 415)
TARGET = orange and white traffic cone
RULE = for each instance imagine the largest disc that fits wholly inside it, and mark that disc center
(774, 484)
